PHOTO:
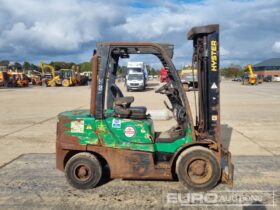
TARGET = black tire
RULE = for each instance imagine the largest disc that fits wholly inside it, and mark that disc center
(208, 169)
(83, 171)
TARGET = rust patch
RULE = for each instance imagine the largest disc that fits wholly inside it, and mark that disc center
(65, 142)
(131, 164)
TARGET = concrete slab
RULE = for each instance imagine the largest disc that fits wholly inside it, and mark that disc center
(32, 182)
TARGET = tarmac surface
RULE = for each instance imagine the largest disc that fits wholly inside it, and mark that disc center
(29, 180)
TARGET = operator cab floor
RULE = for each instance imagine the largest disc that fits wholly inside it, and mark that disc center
(170, 135)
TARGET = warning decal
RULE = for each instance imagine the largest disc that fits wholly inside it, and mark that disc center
(214, 86)
(116, 123)
(77, 126)
(129, 131)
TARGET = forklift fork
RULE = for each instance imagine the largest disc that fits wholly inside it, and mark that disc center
(227, 177)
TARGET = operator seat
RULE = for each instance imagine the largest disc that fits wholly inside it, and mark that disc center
(122, 106)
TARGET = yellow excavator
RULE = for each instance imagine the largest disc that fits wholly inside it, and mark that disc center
(51, 80)
(249, 78)
(71, 77)
(68, 77)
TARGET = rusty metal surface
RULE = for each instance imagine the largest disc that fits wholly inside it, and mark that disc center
(122, 163)
(227, 177)
(94, 67)
(131, 164)
(200, 171)
(202, 30)
(202, 56)
(65, 143)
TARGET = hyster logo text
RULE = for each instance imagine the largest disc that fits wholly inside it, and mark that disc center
(214, 58)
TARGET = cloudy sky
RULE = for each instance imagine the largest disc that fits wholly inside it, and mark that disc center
(67, 30)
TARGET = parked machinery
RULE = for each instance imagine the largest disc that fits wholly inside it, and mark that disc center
(81, 79)
(3, 75)
(249, 77)
(68, 77)
(71, 77)
(35, 77)
(16, 79)
(21, 80)
(86, 74)
(51, 79)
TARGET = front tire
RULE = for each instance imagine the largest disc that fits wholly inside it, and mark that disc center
(83, 171)
(65, 83)
(198, 169)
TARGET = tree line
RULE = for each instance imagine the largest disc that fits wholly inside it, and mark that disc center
(85, 66)
(231, 71)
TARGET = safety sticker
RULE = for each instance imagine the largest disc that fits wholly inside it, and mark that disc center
(129, 131)
(214, 117)
(89, 127)
(214, 86)
(116, 123)
(77, 126)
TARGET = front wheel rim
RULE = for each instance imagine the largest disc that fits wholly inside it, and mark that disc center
(82, 173)
(199, 171)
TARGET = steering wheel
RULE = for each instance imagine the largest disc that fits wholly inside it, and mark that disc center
(163, 88)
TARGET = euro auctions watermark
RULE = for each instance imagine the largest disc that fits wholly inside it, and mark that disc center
(222, 198)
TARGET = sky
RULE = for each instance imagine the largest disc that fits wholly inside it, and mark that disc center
(67, 30)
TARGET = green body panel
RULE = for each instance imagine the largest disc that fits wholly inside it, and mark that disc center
(173, 146)
(118, 132)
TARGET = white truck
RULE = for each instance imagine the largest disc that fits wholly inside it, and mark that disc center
(136, 76)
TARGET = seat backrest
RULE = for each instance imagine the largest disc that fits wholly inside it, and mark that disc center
(116, 92)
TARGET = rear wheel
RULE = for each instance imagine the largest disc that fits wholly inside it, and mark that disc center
(65, 83)
(83, 171)
(198, 169)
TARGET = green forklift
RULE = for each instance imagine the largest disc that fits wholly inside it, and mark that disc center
(118, 136)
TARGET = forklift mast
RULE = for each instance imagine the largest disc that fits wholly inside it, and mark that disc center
(206, 61)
